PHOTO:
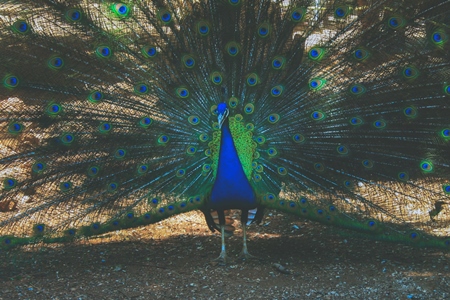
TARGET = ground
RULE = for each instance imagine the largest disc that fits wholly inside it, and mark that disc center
(172, 259)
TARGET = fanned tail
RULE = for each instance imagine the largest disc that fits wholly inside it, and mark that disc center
(338, 113)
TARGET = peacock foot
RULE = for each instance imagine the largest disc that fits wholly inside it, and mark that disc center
(245, 255)
(223, 259)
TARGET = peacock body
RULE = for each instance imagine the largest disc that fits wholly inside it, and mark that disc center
(120, 114)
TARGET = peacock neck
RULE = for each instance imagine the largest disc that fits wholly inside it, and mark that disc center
(231, 188)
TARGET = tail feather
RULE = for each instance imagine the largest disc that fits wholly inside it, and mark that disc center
(338, 113)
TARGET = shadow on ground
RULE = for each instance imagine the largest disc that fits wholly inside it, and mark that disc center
(172, 259)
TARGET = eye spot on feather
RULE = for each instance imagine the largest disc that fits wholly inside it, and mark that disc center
(103, 52)
(55, 63)
(403, 176)
(67, 138)
(367, 163)
(73, 15)
(426, 166)
(21, 27)
(10, 81)
(298, 14)
(120, 10)
(65, 186)
(9, 184)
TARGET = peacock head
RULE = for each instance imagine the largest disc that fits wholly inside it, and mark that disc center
(222, 113)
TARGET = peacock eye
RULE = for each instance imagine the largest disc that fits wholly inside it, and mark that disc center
(216, 77)
(318, 115)
(264, 30)
(103, 52)
(10, 81)
(165, 16)
(203, 28)
(73, 15)
(253, 79)
(276, 91)
(188, 61)
(232, 48)
(249, 108)
(141, 89)
(182, 92)
(298, 14)
(21, 27)
(341, 12)
(316, 53)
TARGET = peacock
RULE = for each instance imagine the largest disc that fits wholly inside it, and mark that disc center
(120, 114)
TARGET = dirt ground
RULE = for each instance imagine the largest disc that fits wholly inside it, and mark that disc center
(172, 259)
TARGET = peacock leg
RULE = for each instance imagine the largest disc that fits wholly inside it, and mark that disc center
(245, 255)
(223, 258)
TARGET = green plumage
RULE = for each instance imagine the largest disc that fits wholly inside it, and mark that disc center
(338, 111)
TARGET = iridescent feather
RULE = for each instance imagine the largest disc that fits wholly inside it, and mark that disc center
(120, 114)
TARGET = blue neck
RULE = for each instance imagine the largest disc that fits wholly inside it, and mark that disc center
(231, 188)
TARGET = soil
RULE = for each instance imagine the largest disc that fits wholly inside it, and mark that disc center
(174, 259)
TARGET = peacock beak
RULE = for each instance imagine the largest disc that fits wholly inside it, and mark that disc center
(222, 116)
(222, 113)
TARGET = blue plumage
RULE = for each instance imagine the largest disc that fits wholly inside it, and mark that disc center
(231, 188)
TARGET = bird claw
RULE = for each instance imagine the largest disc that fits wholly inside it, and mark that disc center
(223, 259)
(244, 255)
